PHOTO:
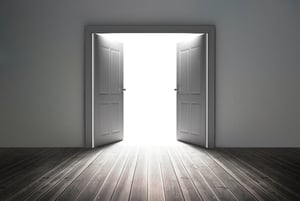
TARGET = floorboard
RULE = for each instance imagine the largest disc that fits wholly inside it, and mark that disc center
(172, 189)
(155, 183)
(172, 172)
(139, 188)
(122, 189)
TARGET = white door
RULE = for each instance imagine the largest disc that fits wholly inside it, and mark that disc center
(191, 91)
(108, 90)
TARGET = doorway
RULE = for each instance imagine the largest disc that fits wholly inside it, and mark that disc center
(150, 99)
(150, 106)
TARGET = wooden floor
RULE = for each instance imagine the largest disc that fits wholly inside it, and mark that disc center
(130, 172)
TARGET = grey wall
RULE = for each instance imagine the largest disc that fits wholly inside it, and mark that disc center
(41, 66)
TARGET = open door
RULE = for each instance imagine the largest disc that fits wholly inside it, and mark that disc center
(191, 91)
(108, 90)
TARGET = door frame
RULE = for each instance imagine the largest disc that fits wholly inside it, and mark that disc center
(210, 30)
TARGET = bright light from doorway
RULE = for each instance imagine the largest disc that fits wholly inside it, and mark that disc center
(150, 80)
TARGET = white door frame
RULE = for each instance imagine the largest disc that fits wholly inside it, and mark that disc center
(210, 70)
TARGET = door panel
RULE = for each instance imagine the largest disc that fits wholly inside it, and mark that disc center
(115, 71)
(195, 116)
(108, 93)
(184, 117)
(191, 90)
(102, 81)
(183, 71)
(116, 110)
(195, 70)
(102, 127)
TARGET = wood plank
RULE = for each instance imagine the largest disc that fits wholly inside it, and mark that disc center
(155, 182)
(216, 184)
(189, 190)
(11, 156)
(73, 190)
(20, 177)
(139, 187)
(236, 189)
(242, 176)
(35, 183)
(276, 187)
(284, 167)
(23, 184)
(52, 182)
(282, 176)
(285, 156)
(71, 176)
(179, 172)
(18, 168)
(172, 188)
(106, 191)
(204, 189)
(96, 182)
(122, 190)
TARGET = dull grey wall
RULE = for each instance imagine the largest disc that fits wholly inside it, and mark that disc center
(41, 66)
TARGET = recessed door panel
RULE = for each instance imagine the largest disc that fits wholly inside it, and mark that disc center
(115, 115)
(102, 127)
(195, 115)
(102, 73)
(184, 117)
(195, 71)
(116, 71)
(184, 71)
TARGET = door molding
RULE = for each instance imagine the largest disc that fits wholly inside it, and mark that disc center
(89, 70)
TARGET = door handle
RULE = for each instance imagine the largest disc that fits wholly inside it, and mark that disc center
(175, 89)
(123, 89)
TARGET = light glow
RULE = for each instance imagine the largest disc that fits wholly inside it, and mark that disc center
(150, 80)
